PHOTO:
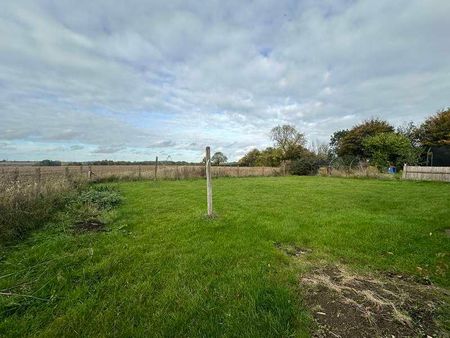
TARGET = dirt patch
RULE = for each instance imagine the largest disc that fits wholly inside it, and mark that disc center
(347, 305)
(90, 225)
(292, 250)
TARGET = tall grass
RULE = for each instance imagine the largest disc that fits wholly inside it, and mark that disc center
(26, 204)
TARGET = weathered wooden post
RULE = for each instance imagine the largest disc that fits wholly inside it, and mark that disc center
(156, 168)
(89, 172)
(66, 173)
(208, 182)
(38, 181)
(139, 172)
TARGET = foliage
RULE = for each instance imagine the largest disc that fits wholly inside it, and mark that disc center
(289, 140)
(218, 158)
(336, 140)
(270, 157)
(411, 132)
(436, 129)
(250, 159)
(390, 148)
(308, 164)
(103, 197)
(165, 270)
(351, 143)
(49, 163)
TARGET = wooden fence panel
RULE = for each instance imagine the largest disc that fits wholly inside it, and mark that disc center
(426, 173)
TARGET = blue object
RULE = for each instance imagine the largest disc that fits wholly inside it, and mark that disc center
(392, 170)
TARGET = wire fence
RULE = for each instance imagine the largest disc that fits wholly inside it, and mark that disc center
(102, 172)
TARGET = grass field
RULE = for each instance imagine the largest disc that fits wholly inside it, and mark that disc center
(166, 270)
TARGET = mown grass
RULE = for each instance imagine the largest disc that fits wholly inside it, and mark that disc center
(164, 269)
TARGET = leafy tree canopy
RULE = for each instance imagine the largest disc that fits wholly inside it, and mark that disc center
(390, 148)
(436, 129)
(289, 141)
(351, 143)
(218, 158)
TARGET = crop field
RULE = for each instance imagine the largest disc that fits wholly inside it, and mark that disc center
(283, 257)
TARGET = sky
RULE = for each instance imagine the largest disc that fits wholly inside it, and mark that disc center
(131, 80)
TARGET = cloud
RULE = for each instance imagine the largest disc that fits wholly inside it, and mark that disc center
(184, 75)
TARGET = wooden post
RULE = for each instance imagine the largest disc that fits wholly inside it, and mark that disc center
(139, 171)
(156, 168)
(16, 174)
(208, 182)
(38, 181)
(66, 173)
(89, 172)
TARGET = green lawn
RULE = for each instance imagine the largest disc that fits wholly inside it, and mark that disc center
(166, 270)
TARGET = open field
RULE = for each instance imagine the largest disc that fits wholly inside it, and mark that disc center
(34, 173)
(164, 269)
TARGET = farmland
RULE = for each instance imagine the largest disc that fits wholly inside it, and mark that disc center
(164, 269)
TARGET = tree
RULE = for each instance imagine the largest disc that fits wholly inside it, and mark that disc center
(390, 148)
(336, 139)
(410, 131)
(308, 164)
(269, 157)
(250, 159)
(289, 140)
(50, 163)
(351, 144)
(218, 158)
(436, 129)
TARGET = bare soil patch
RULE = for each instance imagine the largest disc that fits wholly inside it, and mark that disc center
(93, 225)
(348, 305)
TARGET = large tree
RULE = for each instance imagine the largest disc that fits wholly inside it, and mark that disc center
(351, 144)
(218, 158)
(289, 141)
(390, 148)
(436, 129)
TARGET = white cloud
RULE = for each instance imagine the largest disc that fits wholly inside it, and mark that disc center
(100, 78)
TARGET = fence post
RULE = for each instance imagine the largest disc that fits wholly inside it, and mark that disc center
(139, 171)
(16, 174)
(404, 170)
(66, 173)
(208, 182)
(38, 181)
(89, 172)
(156, 168)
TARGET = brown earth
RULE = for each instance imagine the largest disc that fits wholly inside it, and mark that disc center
(90, 225)
(348, 305)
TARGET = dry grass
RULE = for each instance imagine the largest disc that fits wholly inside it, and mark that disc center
(108, 172)
(361, 172)
(28, 201)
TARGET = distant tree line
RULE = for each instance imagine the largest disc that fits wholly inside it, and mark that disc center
(374, 141)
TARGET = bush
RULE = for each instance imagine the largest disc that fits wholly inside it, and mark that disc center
(102, 197)
(307, 165)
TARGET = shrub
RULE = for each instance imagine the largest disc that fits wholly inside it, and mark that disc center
(103, 197)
